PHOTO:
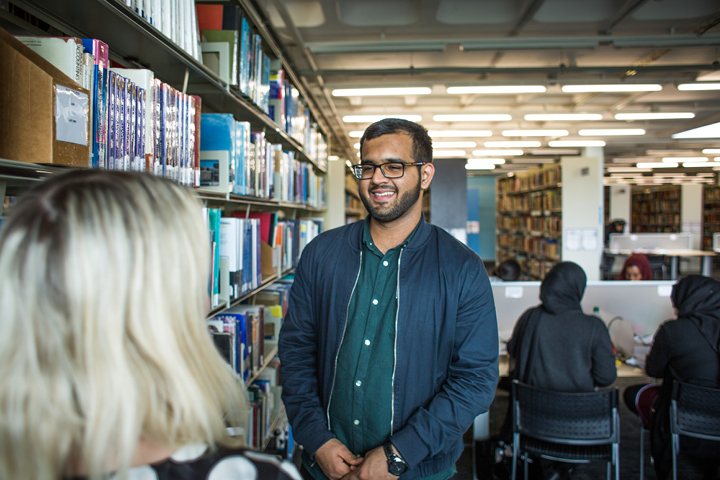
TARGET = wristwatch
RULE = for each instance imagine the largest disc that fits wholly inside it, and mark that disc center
(396, 465)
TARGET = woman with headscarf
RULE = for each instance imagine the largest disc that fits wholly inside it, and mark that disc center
(686, 349)
(636, 267)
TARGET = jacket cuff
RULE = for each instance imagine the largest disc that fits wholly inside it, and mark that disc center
(410, 446)
(316, 441)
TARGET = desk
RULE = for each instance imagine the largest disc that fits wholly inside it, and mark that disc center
(674, 256)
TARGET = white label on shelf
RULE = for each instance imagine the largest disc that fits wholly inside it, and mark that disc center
(71, 115)
(664, 290)
(513, 292)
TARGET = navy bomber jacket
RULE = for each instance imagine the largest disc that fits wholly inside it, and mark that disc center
(446, 353)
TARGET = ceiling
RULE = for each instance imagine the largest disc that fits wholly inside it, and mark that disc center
(550, 44)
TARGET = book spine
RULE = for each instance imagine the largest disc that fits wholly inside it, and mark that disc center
(195, 130)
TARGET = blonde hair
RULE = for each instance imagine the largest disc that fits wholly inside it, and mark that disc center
(103, 294)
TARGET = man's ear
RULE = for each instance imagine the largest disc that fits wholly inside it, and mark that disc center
(427, 172)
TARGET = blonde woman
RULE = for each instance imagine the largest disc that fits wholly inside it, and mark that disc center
(106, 366)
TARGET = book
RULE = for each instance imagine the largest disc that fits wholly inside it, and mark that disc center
(100, 52)
(144, 79)
(65, 53)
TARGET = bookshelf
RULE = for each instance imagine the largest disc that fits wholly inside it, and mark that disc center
(711, 215)
(656, 209)
(354, 208)
(529, 219)
(134, 43)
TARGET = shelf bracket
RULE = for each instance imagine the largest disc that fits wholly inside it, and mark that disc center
(185, 80)
(3, 189)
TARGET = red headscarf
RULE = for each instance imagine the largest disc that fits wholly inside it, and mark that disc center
(637, 260)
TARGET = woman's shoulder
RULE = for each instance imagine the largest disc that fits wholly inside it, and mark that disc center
(199, 462)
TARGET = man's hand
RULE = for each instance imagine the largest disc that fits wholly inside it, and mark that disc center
(336, 460)
(373, 467)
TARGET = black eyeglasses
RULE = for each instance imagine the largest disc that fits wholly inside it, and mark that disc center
(366, 171)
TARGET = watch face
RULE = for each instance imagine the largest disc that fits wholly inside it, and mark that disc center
(397, 467)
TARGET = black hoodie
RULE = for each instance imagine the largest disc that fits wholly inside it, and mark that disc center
(556, 346)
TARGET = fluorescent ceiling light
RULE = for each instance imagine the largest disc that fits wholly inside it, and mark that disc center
(518, 144)
(699, 86)
(708, 131)
(495, 89)
(701, 164)
(347, 162)
(374, 92)
(549, 117)
(448, 153)
(494, 161)
(492, 153)
(333, 158)
(532, 160)
(628, 169)
(554, 151)
(576, 143)
(662, 153)
(474, 117)
(626, 175)
(356, 134)
(478, 166)
(356, 146)
(454, 144)
(669, 175)
(535, 133)
(684, 159)
(654, 116)
(459, 133)
(599, 132)
(632, 159)
(705, 175)
(624, 87)
(376, 118)
(658, 165)
(711, 151)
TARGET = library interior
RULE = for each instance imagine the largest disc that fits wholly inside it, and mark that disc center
(584, 131)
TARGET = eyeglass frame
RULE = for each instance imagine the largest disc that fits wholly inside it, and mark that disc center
(357, 169)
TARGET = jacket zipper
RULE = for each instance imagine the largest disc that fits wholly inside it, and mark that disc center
(397, 315)
(337, 353)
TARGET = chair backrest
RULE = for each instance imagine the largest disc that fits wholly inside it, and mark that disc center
(695, 411)
(570, 418)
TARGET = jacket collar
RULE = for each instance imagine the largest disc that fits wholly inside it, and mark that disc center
(355, 237)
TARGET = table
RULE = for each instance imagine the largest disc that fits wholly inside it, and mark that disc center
(674, 256)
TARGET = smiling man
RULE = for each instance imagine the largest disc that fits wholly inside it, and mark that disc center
(389, 348)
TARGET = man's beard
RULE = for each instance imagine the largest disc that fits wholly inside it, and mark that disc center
(402, 205)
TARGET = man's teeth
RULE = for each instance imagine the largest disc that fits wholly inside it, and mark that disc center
(385, 194)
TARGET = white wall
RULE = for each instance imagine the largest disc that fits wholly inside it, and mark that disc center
(582, 210)
(335, 195)
(621, 204)
(691, 217)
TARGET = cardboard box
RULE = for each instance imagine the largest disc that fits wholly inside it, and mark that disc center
(43, 112)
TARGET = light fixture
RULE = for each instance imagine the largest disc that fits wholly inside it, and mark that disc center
(699, 86)
(492, 153)
(518, 144)
(661, 153)
(658, 165)
(535, 133)
(626, 175)
(347, 162)
(459, 133)
(454, 144)
(333, 158)
(701, 164)
(497, 89)
(532, 160)
(600, 132)
(576, 143)
(356, 146)
(479, 166)
(632, 159)
(448, 153)
(711, 151)
(554, 151)
(628, 169)
(684, 159)
(618, 87)
(495, 161)
(550, 117)
(376, 118)
(374, 92)
(707, 131)
(474, 117)
(654, 116)
(356, 134)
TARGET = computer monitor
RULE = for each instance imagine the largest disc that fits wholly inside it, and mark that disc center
(650, 242)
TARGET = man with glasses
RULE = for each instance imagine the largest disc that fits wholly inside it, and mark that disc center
(389, 347)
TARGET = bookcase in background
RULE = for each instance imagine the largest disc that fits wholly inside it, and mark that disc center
(354, 208)
(529, 219)
(656, 209)
(711, 215)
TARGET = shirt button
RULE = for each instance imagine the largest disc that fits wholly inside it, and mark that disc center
(385, 263)
(356, 422)
(375, 302)
(367, 342)
(358, 383)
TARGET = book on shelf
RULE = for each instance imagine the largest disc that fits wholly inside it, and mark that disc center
(65, 53)
(100, 52)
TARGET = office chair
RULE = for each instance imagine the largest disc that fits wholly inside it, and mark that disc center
(606, 264)
(565, 427)
(657, 265)
(694, 413)
(643, 405)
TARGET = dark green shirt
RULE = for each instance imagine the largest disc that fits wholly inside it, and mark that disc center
(362, 396)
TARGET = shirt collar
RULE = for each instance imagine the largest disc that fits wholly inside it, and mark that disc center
(368, 240)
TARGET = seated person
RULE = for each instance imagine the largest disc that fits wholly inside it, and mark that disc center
(107, 363)
(636, 267)
(555, 346)
(685, 349)
(616, 226)
(507, 271)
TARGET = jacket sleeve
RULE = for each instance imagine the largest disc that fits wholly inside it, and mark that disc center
(604, 371)
(472, 378)
(297, 349)
(658, 357)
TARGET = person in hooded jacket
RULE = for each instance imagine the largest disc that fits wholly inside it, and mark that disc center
(686, 349)
(556, 347)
